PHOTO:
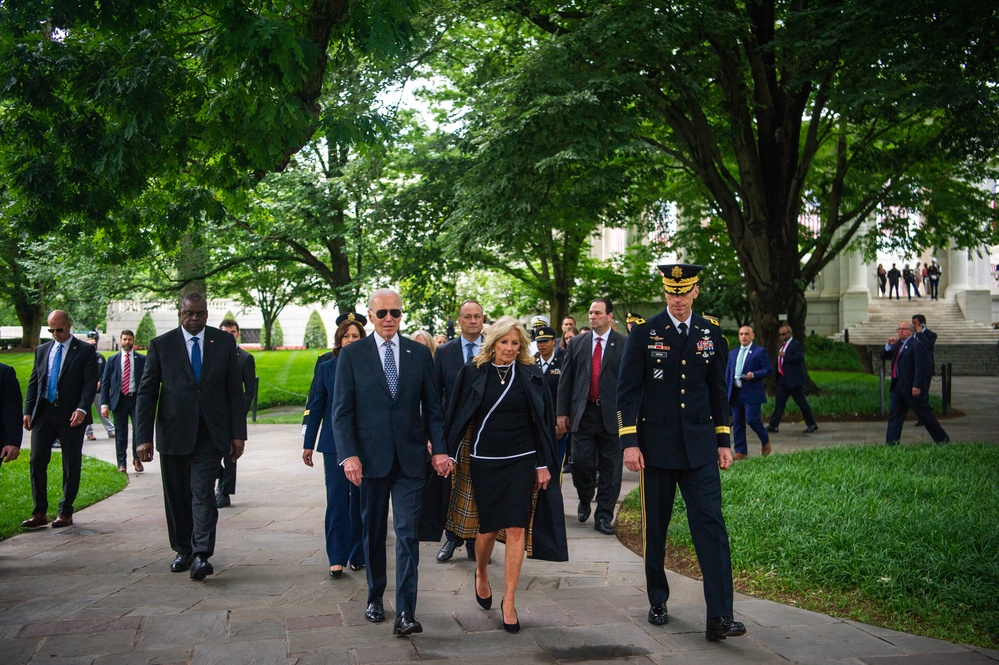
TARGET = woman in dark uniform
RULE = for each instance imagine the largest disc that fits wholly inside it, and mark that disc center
(502, 421)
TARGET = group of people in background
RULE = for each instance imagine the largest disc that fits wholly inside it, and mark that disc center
(925, 276)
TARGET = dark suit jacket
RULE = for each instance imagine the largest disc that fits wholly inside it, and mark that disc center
(320, 409)
(574, 386)
(758, 362)
(112, 377)
(893, 275)
(368, 423)
(552, 374)
(793, 364)
(911, 365)
(248, 372)
(448, 360)
(10, 407)
(928, 338)
(77, 381)
(672, 397)
(170, 397)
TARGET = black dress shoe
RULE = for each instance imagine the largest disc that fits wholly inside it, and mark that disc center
(375, 612)
(181, 563)
(200, 567)
(721, 627)
(658, 616)
(447, 550)
(811, 428)
(604, 526)
(406, 624)
(222, 500)
(773, 428)
(356, 566)
(336, 574)
(583, 511)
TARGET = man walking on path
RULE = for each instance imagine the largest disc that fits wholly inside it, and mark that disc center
(119, 385)
(791, 381)
(747, 367)
(908, 383)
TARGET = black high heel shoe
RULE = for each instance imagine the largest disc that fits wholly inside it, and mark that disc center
(509, 627)
(336, 574)
(484, 603)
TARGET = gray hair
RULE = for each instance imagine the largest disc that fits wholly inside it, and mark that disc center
(383, 292)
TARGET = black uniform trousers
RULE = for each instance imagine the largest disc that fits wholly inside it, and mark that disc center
(596, 451)
(122, 412)
(900, 403)
(406, 494)
(189, 495)
(46, 427)
(701, 490)
(798, 394)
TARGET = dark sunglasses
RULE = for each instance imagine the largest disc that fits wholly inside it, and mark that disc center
(55, 330)
(382, 313)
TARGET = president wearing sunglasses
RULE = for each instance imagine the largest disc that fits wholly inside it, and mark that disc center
(61, 391)
(386, 406)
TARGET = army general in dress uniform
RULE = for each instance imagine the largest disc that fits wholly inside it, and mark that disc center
(673, 420)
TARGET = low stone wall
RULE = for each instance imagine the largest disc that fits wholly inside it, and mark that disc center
(967, 359)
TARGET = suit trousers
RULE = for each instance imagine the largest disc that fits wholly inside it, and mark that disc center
(743, 415)
(701, 490)
(108, 425)
(597, 459)
(227, 475)
(46, 427)
(406, 494)
(798, 393)
(900, 403)
(122, 412)
(344, 536)
(189, 495)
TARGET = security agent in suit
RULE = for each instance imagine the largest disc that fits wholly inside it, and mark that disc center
(386, 406)
(448, 360)
(791, 381)
(92, 338)
(550, 363)
(10, 414)
(908, 383)
(747, 367)
(587, 409)
(928, 338)
(248, 372)
(60, 395)
(192, 391)
(674, 429)
(118, 397)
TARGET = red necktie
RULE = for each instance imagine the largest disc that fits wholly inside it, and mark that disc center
(126, 372)
(780, 360)
(598, 355)
(894, 362)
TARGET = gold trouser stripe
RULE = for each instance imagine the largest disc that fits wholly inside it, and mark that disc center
(624, 431)
(641, 492)
(723, 430)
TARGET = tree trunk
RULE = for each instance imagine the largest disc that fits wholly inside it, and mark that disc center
(31, 316)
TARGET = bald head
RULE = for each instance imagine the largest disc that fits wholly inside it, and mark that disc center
(60, 325)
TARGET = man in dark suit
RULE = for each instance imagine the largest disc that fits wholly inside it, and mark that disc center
(10, 414)
(908, 383)
(93, 337)
(248, 372)
(791, 381)
(928, 339)
(587, 409)
(60, 396)
(119, 384)
(192, 390)
(893, 276)
(674, 430)
(448, 360)
(386, 406)
(747, 367)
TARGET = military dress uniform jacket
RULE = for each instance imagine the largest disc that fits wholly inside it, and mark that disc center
(552, 374)
(671, 399)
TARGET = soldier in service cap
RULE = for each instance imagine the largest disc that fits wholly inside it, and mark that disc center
(673, 421)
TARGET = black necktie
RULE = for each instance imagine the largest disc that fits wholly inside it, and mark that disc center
(683, 334)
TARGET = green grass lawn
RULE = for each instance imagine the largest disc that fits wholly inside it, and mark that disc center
(99, 480)
(902, 537)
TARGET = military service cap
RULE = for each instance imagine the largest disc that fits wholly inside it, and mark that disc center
(544, 332)
(352, 316)
(679, 278)
(540, 320)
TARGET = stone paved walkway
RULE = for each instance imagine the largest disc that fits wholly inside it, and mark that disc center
(101, 591)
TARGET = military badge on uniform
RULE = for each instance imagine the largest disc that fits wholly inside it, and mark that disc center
(705, 347)
(657, 374)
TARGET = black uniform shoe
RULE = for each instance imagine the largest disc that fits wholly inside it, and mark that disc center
(721, 627)
(772, 428)
(375, 612)
(811, 428)
(222, 500)
(583, 511)
(447, 550)
(658, 616)
(604, 526)
(181, 563)
(200, 567)
(406, 624)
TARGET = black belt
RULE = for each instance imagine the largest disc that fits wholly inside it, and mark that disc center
(128, 394)
(595, 402)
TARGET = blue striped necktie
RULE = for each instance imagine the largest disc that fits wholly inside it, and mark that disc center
(196, 359)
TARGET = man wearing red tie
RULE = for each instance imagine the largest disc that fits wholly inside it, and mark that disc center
(908, 381)
(791, 381)
(119, 384)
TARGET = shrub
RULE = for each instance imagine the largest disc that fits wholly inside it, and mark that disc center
(315, 332)
(145, 332)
